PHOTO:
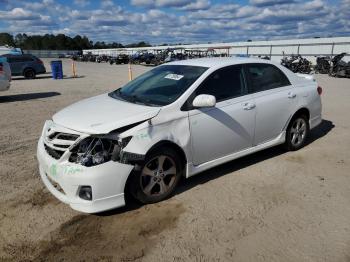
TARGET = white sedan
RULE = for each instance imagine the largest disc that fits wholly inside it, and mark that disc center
(176, 120)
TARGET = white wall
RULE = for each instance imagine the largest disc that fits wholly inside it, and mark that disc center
(308, 48)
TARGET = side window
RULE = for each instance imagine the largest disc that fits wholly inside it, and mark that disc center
(225, 83)
(20, 59)
(11, 59)
(15, 59)
(27, 59)
(264, 77)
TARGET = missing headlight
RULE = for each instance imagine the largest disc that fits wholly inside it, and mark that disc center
(94, 150)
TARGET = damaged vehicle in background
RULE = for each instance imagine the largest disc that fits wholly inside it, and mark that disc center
(176, 120)
(339, 67)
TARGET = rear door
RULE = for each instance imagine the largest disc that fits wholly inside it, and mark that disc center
(229, 126)
(275, 100)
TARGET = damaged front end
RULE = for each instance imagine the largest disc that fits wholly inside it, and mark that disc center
(98, 149)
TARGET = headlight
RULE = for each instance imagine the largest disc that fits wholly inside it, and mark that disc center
(95, 150)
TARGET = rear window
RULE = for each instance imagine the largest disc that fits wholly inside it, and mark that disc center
(19, 59)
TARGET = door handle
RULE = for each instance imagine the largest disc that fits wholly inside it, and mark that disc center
(291, 95)
(248, 106)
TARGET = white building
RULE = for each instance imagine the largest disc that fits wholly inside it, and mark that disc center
(308, 48)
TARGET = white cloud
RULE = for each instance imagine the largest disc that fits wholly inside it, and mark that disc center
(196, 5)
(174, 21)
(81, 3)
(18, 14)
(270, 2)
(107, 3)
(161, 3)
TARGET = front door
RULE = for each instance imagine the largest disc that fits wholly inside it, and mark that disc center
(16, 64)
(229, 126)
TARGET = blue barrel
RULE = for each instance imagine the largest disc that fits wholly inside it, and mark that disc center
(56, 69)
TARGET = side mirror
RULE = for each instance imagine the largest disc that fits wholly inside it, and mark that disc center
(204, 101)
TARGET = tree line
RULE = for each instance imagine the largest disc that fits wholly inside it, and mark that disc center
(59, 42)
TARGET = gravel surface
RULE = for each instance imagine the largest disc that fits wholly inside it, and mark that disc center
(270, 206)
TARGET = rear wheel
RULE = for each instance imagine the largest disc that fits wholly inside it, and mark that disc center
(158, 176)
(297, 133)
(29, 73)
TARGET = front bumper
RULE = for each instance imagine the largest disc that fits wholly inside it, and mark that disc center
(64, 179)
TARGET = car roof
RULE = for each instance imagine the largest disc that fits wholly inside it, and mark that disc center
(219, 62)
(212, 62)
(18, 55)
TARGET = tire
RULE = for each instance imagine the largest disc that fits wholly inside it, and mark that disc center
(29, 74)
(297, 133)
(147, 184)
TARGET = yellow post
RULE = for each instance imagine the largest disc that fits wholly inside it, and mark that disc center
(74, 69)
(130, 72)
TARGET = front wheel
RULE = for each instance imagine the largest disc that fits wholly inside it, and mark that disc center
(158, 176)
(297, 133)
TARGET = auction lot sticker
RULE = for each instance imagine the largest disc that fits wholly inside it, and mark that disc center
(173, 76)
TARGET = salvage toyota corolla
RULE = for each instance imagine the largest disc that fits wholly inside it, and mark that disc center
(176, 120)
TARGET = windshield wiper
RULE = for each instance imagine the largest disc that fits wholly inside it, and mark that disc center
(132, 99)
(118, 95)
(138, 100)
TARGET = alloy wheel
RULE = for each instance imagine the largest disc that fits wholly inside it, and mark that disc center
(158, 176)
(298, 132)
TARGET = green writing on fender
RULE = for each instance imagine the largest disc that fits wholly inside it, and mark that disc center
(56, 169)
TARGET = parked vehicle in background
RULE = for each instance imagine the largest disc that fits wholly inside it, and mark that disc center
(297, 64)
(5, 75)
(120, 59)
(264, 57)
(25, 65)
(141, 57)
(10, 50)
(323, 64)
(179, 119)
(339, 67)
(102, 58)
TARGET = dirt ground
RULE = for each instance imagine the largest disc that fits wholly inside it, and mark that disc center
(270, 206)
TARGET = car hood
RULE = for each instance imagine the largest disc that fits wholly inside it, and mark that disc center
(102, 114)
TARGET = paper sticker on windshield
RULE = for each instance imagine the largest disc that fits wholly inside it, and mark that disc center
(173, 76)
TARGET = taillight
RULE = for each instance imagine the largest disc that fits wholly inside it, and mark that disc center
(40, 62)
(1, 69)
(319, 90)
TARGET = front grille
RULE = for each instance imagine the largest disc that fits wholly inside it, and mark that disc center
(63, 136)
(53, 135)
(57, 143)
(61, 146)
(56, 154)
(69, 137)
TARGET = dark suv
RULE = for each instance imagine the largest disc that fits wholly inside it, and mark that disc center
(25, 65)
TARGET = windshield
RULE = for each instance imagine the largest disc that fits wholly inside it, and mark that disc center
(160, 86)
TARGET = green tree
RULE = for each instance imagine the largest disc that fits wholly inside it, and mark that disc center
(6, 39)
(59, 42)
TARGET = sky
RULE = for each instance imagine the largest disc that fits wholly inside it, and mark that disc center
(177, 21)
